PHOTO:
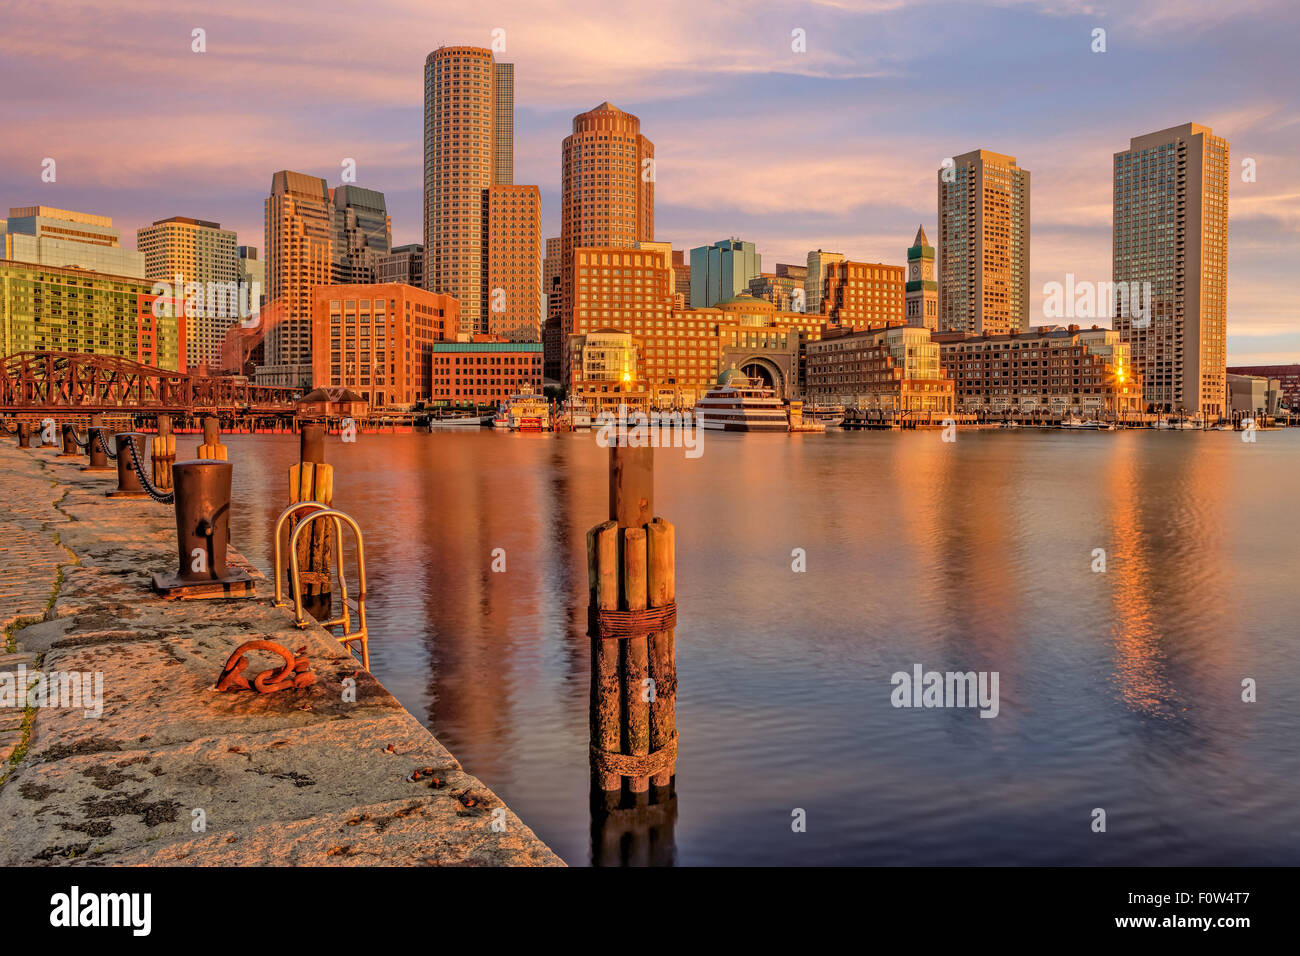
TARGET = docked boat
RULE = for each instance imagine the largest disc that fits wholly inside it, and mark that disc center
(830, 416)
(736, 404)
(527, 412)
(575, 413)
(461, 421)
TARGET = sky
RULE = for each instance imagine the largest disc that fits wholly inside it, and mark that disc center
(833, 147)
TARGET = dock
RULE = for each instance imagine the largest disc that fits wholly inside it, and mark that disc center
(172, 771)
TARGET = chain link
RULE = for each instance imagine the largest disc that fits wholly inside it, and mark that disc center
(162, 497)
(112, 455)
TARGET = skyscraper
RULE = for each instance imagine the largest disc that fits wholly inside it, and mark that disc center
(816, 275)
(299, 257)
(515, 263)
(1171, 230)
(180, 251)
(983, 244)
(363, 234)
(607, 181)
(922, 291)
(722, 271)
(468, 146)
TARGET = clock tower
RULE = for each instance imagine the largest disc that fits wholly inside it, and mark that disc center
(921, 291)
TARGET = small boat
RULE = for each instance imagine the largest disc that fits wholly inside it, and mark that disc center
(832, 416)
(501, 419)
(527, 412)
(736, 404)
(461, 421)
(576, 413)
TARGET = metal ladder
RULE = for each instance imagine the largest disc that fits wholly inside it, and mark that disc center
(319, 510)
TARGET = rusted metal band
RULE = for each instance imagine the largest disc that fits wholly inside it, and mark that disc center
(625, 624)
(635, 765)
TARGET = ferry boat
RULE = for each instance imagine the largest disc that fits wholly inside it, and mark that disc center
(736, 404)
(576, 413)
(831, 416)
(527, 412)
(501, 420)
(461, 421)
(800, 422)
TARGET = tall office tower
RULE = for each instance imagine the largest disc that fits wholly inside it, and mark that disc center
(922, 291)
(468, 146)
(1171, 230)
(983, 244)
(722, 271)
(363, 234)
(180, 251)
(299, 257)
(514, 275)
(58, 237)
(608, 198)
(681, 276)
(405, 265)
(812, 283)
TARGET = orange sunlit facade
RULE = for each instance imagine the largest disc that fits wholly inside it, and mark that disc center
(377, 340)
(863, 295)
(514, 225)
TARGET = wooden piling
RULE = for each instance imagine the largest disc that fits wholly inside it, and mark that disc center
(212, 448)
(606, 722)
(662, 591)
(636, 656)
(164, 453)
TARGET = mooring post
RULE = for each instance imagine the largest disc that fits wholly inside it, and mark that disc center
(128, 482)
(202, 503)
(212, 449)
(164, 453)
(96, 442)
(24, 435)
(313, 480)
(69, 432)
(631, 583)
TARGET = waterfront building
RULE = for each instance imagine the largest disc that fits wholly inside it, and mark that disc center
(983, 244)
(377, 340)
(921, 294)
(483, 371)
(892, 369)
(1254, 395)
(52, 309)
(299, 257)
(607, 371)
(784, 291)
(468, 147)
(514, 278)
(818, 261)
(1171, 231)
(1049, 372)
(180, 251)
(363, 234)
(405, 264)
(863, 295)
(43, 235)
(1288, 377)
(722, 270)
(607, 201)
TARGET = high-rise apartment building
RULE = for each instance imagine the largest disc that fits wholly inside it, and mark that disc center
(922, 291)
(818, 262)
(299, 257)
(515, 299)
(983, 244)
(607, 201)
(181, 251)
(722, 271)
(61, 238)
(468, 147)
(363, 234)
(1171, 231)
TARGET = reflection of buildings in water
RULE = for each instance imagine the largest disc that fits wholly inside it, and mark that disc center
(1164, 565)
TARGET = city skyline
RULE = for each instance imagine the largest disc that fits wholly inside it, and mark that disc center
(853, 174)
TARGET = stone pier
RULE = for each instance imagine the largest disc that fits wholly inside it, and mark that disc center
(173, 772)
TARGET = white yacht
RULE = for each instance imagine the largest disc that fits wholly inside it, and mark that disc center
(736, 404)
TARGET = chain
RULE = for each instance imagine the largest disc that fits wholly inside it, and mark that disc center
(5, 426)
(112, 455)
(162, 497)
(77, 438)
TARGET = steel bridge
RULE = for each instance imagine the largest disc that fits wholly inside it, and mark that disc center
(37, 382)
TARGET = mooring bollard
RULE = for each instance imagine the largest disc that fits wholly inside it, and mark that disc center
(164, 453)
(24, 435)
(128, 482)
(212, 449)
(313, 480)
(69, 442)
(202, 493)
(96, 443)
(46, 429)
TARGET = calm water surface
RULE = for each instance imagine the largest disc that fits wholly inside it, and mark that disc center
(1119, 690)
